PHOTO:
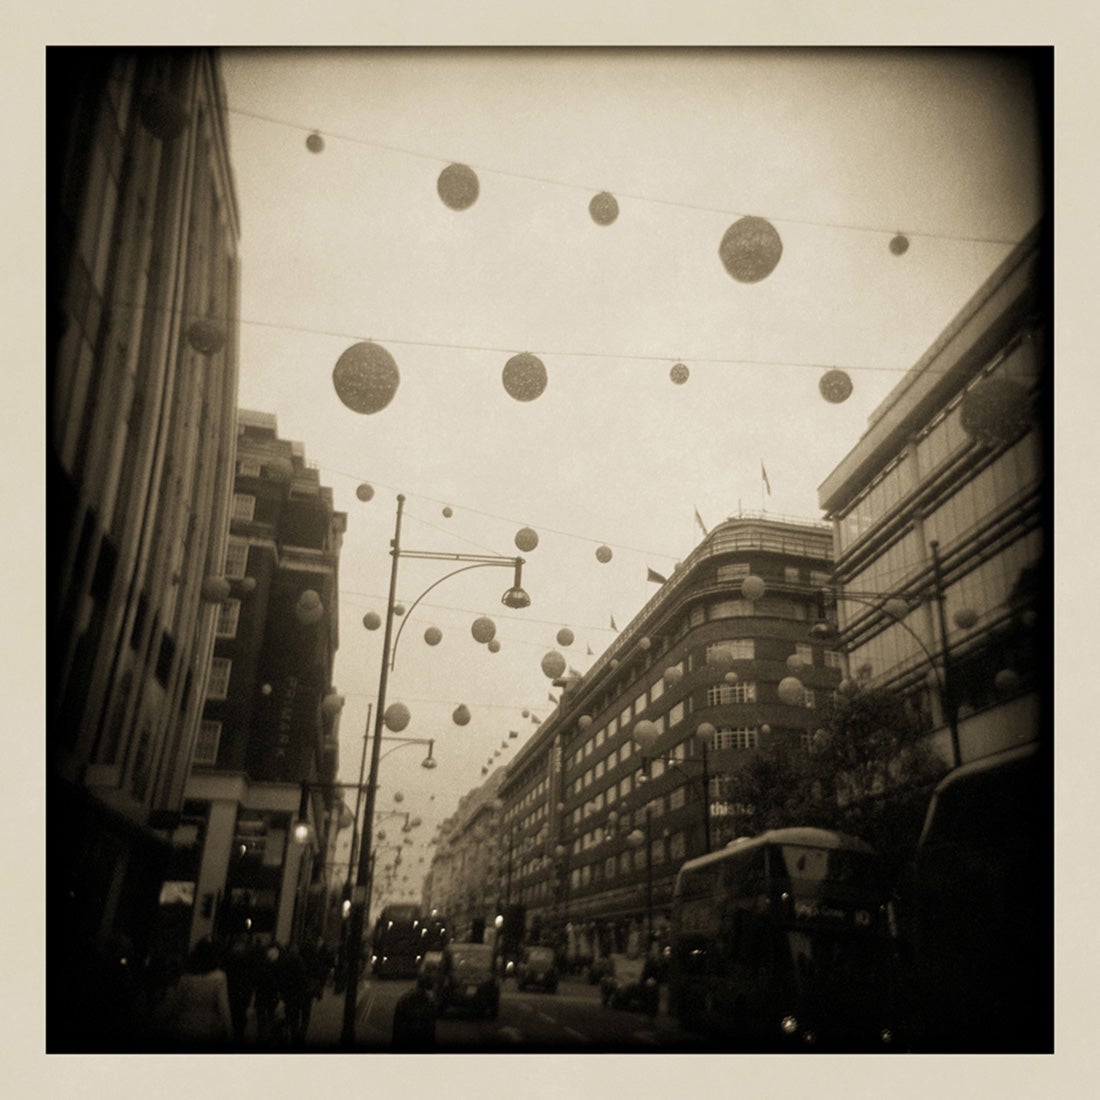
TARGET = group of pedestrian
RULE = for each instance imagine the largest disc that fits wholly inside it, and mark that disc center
(208, 1006)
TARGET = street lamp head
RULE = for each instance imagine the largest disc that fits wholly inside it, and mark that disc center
(822, 629)
(516, 598)
(635, 838)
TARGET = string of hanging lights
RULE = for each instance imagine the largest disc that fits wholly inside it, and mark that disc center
(603, 207)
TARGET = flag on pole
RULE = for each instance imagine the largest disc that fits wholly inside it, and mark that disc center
(653, 575)
(764, 475)
(613, 626)
(535, 719)
(551, 698)
(699, 520)
(589, 653)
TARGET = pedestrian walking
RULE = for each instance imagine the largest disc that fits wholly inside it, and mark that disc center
(240, 971)
(296, 985)
(195, 1013)
(269, 1025)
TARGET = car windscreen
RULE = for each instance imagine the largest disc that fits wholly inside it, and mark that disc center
(472, 960)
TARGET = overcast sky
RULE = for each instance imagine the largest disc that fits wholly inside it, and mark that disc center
(839, 151)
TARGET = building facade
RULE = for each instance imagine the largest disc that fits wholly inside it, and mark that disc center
(271, 716)
(587, 830)
(944, 496)
(142, 352)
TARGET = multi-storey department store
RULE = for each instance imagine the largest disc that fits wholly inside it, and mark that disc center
(556, 835)
(143, 285)
(944, 493)
(271, 717)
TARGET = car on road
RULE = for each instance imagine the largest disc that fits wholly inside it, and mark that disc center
(467, 979)
(538, 969)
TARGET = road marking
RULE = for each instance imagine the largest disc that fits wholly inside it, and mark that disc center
(512, 1034)
(547, 1017)
(576, 1034)
(646, 1037)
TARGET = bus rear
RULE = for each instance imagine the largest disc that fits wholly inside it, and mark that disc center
(784, 941)
(398, 942)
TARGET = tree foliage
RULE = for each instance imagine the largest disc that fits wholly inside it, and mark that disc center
(868, 772)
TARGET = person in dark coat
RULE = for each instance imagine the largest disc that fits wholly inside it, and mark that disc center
(240, 970)
(268, 992)
(297, 990)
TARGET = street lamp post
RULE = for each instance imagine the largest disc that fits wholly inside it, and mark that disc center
(514, 597)
(645, 736)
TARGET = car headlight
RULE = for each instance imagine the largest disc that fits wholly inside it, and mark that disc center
(789, 1024)
(886, 1035)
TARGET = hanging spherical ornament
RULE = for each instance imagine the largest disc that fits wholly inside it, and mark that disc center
(835, 386)
(706, 732)
(679, 374)
(163, 115)
(248, 584)
(847, 687)
(309, 609)
(398, 796)
(366, 377)
(372, 620)
(565, 636)
(731, 677)
(396, 717)
(553, 664)
(1006, 681)
(645, 733)
(526, 539)
(673, 675)
(215, 589)
(483, 629)
(753, 587)
(794, 662)
(433, 635)
(750, 249)
(603, 208)
(603, 554)
(965, 618)
(461, 715)
(315, 143)
(265, 689)
(584, 721)
(458, 186)
(996, 412)
(765, 728)
(524, 377)
(614, 662)
(365, 492)
(525, 713)
(899, 244)
(644, 643)
(791, 691)
(332, 704)
(399, 609)
(720, 657)
(205, 336)
(448, 512)
(493, 646)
